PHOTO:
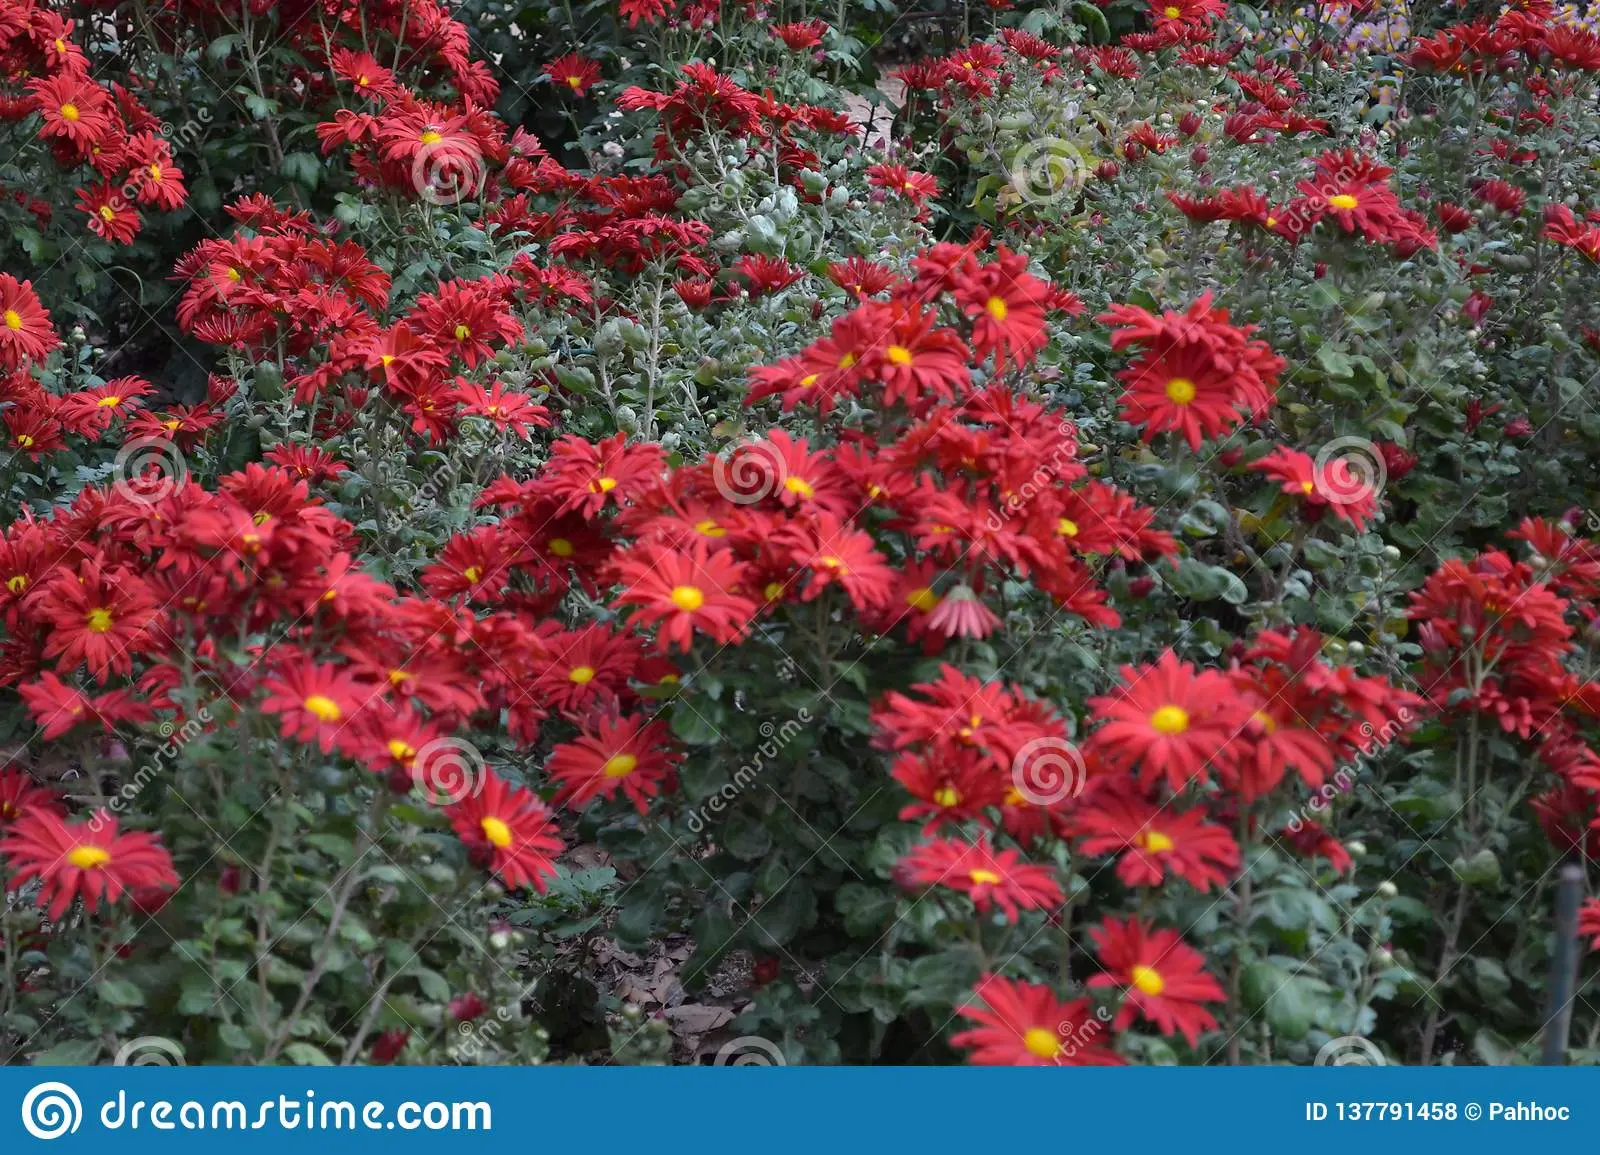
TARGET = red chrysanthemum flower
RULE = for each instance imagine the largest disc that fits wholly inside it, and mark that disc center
(1025, 1025)
(572, 73)
(1164, 978)
(25, 330)
(314, 702)
(992, 878)
(1168, 720)
(20, 796)
(1154, 841)
(91, 860)
(684, 592)
(627, 754)
(510, 832)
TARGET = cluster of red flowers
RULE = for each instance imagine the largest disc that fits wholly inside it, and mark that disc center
(1197, 374)
(1496, 640)
(1346, 189)
(1174, 747)
(1527, 30)
(100, 128)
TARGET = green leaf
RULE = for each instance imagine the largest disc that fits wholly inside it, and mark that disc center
(305, 1055)
(120, 993)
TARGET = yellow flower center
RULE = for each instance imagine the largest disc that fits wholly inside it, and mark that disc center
(575, 81)
(1066, 527)
(947, 796)
(981, 877)
(463, 332)
(16, 583)
(561, 547)
(13, 319)
(773, 591)
(88, 857)
(1172, 11)
(1266, 721)
(1042, 1041)
(997, 309)
(108, 402)
(800, 486)
(496, 831)
(1343, 201)
(1154, 842)
(155, 172)
(1147, 979)
(1307, 486)
(363, 80)
(69, 112)
(324, 708)
(619, 766)
(25, 440)
(1180, 390)
(602, 485)
(923, 599)
(809, 380)
(430, 137)
(710, 528)
(100, 620)
(107, 213)
(847, 360)
(899, 354)
(581, 675)
(1170, 720)
(828, 561)
(688, 598)
(472, 573)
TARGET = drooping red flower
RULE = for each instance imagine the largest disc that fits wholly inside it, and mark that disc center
(1020, 1024)
(1164, 979)
(91, 860)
